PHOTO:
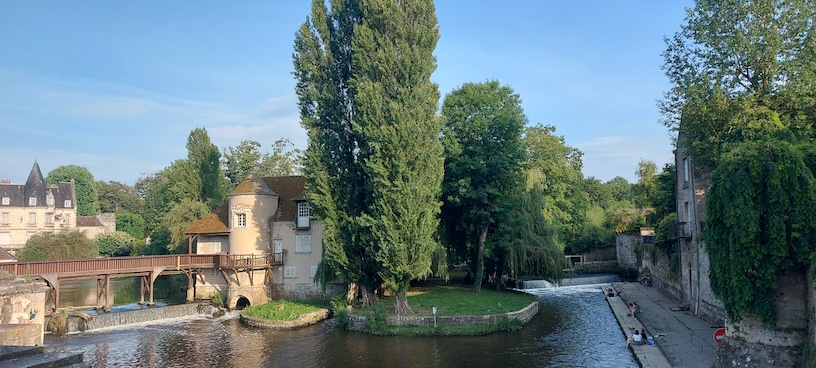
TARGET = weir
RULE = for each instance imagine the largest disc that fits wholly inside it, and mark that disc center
(569, 281)
(97, 321)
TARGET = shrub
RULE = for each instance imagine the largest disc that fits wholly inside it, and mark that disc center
(62, 245)
(115, 244)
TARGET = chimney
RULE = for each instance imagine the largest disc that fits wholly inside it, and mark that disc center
(5, 181)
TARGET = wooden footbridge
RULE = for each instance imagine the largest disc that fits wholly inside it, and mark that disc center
(147, 267)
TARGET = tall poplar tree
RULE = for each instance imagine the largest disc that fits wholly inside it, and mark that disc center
(337, 186)
(396, 101)
(206, 161)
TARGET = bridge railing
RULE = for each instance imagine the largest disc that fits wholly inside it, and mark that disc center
(140, 263)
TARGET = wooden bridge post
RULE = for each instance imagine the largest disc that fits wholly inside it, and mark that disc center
(142, 288)
(103, 290)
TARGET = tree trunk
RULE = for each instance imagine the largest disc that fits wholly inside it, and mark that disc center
(477, 283)
(353, 290)
(369, 297)
(401, 304)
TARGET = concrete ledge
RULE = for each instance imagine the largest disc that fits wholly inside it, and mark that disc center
(647, 355)
(358, 323)
(21, 335)
(303, 320)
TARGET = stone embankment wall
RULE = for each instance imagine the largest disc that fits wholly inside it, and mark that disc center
(77, 322)
(303, 320)
(22, 307)
(358, 323)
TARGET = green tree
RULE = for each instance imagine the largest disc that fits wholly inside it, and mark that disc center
(55, 246)
(115, 197)
(620, 189)
(393, 61)
(733, 55)
(644, 191)
(238, 162)
(205, 160)
(131, 223)
(484, 153)
(179, 218)
(565, 199)
(339, 191)
(115, 244)
(84, 184)
(761, 214)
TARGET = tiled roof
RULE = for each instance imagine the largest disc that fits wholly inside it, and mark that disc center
(214, 223)
(6, 256)
(88, 221)
(290, 189)
(35, 187)
(252, 185)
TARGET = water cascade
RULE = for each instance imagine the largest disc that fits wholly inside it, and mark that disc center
(570, 281)
(83, 322)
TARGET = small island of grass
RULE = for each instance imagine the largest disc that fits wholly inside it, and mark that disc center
(459, 311)
(285, 315)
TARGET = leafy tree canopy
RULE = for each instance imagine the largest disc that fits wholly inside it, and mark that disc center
(115, 197)
(115, 244)
(84, 184)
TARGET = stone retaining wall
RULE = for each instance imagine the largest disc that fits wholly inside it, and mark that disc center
(303, 320)
(147, 314)
(358, 323)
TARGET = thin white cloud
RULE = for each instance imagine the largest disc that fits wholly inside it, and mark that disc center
(609, 156)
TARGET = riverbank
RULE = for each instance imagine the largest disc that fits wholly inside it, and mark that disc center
(681, 339)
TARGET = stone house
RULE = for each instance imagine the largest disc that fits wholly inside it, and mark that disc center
(262, 216)
(33, 207)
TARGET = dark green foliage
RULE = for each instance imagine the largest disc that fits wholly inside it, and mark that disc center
(115, 244)
(247, 158)
(54, 246)
(132, 224)
(115, 197)
(87, 198)
(205, 160)
(396, 102)
(484, 154)
(761, 217)
(178, 219)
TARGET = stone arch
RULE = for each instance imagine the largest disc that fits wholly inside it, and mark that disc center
(241, 302)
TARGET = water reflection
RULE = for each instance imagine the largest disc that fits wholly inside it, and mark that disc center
(574, 328)
(124, 291)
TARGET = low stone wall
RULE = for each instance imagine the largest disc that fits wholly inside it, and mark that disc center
(358, 323)
(21, 335)
(303, 320)
(302, 291)
(22, 306)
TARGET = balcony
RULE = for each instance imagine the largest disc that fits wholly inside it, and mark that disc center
(683, 230)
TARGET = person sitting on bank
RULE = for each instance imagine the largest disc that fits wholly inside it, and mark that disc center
(609, 293)
(635, 339)
(632, 309)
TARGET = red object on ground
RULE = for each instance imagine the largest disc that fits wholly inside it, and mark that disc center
(718, 335)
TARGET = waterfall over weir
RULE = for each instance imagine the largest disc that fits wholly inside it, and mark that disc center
(570, 281)
(96, 321)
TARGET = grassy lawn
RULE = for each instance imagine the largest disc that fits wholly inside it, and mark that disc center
(459, 300)
(449, 301)
(283, 310)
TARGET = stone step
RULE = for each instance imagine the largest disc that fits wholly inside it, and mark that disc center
(10, 352)
(43, 360)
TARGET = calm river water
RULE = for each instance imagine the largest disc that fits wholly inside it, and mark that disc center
(575, 328)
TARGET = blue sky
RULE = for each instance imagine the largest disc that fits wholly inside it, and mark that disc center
(117, 86)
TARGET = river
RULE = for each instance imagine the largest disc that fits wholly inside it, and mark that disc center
(575, 328)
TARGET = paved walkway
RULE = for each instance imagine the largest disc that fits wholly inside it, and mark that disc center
(681, 339)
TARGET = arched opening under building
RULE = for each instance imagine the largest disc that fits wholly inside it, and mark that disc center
(242, 303)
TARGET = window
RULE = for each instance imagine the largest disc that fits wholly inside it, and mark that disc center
(303, 244)
(29, 235)
(32, 201)
(303, 214)
(6, 201)
(290, 272)
(4, 218)
(4, 238)
(686, 171)
(49, 218)
(278, 246)
(241, 222)
(313, 272)
(32, 218)
(67, 203)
